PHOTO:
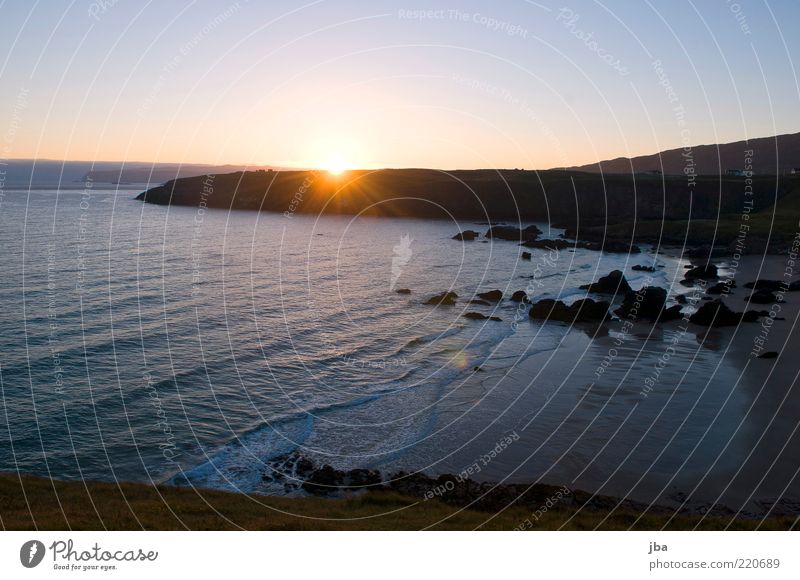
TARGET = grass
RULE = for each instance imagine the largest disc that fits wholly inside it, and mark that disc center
(31, 503)
(778, 222)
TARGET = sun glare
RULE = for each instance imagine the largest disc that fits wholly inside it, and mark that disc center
(335, 166)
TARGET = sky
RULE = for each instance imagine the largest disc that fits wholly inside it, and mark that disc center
(337, 83)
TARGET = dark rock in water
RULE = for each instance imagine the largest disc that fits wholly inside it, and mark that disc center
(769, 354)
(554, 244)
(609, 246)
(526, 256)
(403, 291)
(323, 481)
(681, 299)
(717, 314)
(721, 287)
(643, 268)
(444, 299)
(794, 286)
(519, 296)
(493, 295)
(648, 303)
(477, 302)
(586, 310)
(363, 477)
(327, 480)
(479, 316)
(466, 235)
(706, 272)
(671, 313)
(303, 467)
(613, 283)
(764, 297)
(771, 286)
(513, 234)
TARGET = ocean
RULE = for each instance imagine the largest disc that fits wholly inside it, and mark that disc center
(194, 347)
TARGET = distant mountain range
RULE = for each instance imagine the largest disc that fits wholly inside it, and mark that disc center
(47, 173)
(776, 155)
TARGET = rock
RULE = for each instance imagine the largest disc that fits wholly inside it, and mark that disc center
(642, 268)
(721, 287)
(324, 481)
(303, 467)
(403, 291)
(608, 246)
(648, 303)
(716, 314)
(681, 299)
(479, 316)
(613, 283)
(513, 234)
(586, 310)
(519, 296)
(769, 354)
(526, 256)
(772, 286)
(764, 297)
(794, 286)
(617, 247)
(554, 244)
(444, 299)
(466, 235)
(363, 477)
(493, 295)
(707, 272)
(478, 302)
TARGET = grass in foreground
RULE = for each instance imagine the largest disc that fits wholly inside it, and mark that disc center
(30, 503)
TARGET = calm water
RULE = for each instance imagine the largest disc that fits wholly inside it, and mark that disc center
(143, 342)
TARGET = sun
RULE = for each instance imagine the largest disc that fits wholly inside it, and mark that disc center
(335, 166)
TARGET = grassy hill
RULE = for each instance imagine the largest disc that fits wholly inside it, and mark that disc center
(31, 503)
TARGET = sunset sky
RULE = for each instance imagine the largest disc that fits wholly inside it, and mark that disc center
(393, 84)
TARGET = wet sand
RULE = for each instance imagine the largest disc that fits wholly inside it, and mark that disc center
(712, 425)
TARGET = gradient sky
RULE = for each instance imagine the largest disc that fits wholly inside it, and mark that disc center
(375, 84)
